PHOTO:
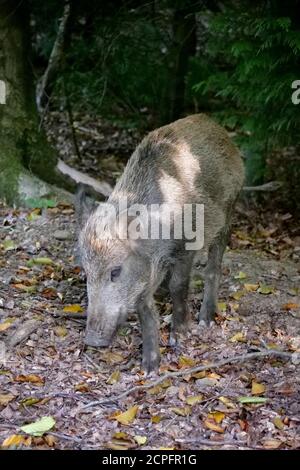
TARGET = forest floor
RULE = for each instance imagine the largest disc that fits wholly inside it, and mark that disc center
(45, 370)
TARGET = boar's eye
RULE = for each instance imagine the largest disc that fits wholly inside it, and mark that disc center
(115, 273)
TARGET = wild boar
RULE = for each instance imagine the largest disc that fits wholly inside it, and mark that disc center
(189, 162)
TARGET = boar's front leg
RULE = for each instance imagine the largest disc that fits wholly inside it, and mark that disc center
(212, 277)
(179, 288)
(149, 325)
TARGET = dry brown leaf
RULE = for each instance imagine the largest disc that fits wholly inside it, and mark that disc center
(6, 398)
(257, 388)
(82, 387)
(32, 378)
(251, 287)
(290, 306)
(156, 419)
(112, 358)
(272, 444)
(114, 378)
(183, 411)
(278, 423)
(210, 424)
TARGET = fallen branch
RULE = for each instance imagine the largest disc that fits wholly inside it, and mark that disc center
(99, 187)
(213, 365)
(268, 187)
(23, 332)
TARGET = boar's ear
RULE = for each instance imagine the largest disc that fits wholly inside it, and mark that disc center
(84, 205)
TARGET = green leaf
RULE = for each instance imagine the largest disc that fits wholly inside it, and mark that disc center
(250, 400)
(39, 261)
(40, 427)
(9, 245)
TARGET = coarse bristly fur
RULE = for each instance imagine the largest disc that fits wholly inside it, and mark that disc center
(191, 161)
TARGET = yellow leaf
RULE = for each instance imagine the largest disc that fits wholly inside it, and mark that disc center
(121, 435)
(263, 289)
(213, 426)
(61, 331)
(217, 416)
(238, 337)
(184, 411)
(75, 308)
(156, 419)
(278, 423)
(241, 275)
(222, 306)
(199, 375)
(5, 325)
(186, 362)
(251, 287)
(16, 440)
(257, 388)
(114, 378)
(213, 375)
(127, 417)
(6, 398)
(237, 295)
(155, 390)
(272, 444)
(141, 440)
(112, 358)
(227, 402)
(194, 399)
(30, 401)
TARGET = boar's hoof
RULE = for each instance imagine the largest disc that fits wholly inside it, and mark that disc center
(206, 323)
(151, 362)
(92, 339)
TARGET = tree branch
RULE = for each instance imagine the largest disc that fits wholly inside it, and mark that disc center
(192, 370)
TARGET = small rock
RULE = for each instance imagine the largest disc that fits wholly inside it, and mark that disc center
(62, 235)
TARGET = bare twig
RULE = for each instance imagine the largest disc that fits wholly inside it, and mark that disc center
(213, 365)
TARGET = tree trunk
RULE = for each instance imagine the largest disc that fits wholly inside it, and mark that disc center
(184, 40)
(25, 153)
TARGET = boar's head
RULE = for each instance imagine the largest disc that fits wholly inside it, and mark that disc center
(117, 276)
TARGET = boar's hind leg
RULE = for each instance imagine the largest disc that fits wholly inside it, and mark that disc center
(179, 287)
(212, 277)
(149, 325)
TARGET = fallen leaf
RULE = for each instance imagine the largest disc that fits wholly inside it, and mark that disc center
(114, 378)
(127, 417)
(16, 440)
(257, 388)
(237, 295)
(141, 440)
(278, 423)
(61, 331)
(213, 426)
(39, 427)
(238, 337)
(252, 400)
(251, 287)
(112, 358)
(240, 275)
(9, 245)
(6, 398)
(184, 411)
(50, 440)
(32, 378)
(222, 306)
(34, 261)
(75, 308)
(217, 416)
(194, 399)
(5, 325)
(184, 362)
(263, 289)
(227, 402)
(156, 419)
(290, 306)
(30, 401)
(82, 387)
(272, 444)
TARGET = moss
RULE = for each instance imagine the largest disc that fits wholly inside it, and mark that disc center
(10, 169)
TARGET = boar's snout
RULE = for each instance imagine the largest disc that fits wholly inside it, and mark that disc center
(93, 339)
